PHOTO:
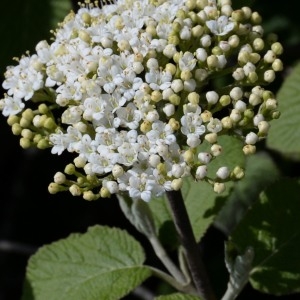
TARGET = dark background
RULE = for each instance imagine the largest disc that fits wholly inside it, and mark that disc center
(30, 217)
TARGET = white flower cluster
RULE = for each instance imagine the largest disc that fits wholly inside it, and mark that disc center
(128, 88)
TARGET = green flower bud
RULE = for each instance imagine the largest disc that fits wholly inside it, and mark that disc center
(70, 169)
(28, 114)
(16, 129)
(11, 120)
(277, 48)
(42, 144)
(25, 143)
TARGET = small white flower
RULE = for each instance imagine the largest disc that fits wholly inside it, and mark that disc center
(187, 62)
(11, 106)
(221, 26)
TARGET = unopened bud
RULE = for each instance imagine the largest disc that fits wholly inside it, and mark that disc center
(219, 187)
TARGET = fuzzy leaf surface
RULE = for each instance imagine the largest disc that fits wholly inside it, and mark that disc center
(87, 266)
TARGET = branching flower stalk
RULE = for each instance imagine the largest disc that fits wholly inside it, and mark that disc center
(133, 89)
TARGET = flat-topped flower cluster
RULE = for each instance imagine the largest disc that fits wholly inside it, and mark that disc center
(129, 88)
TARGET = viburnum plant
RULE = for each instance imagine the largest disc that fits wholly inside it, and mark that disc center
(159, 103)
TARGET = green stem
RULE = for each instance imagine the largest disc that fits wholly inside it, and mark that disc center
(188, 241)
(165, 259)
(173, 282)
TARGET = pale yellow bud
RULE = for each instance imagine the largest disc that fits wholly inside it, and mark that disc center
(11, 120)
(25, 143)
(206, 116)
(175, 125)
(249, 149)
(54, 188)
(219, 187)
(75, 190)
(193, 98)
(89, 196)
(104, 192)
(176, 184)
(227, 123)
(211, 137)
(16, 129)
(188, 156)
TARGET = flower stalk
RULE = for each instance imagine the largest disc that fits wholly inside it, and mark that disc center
(188, 241)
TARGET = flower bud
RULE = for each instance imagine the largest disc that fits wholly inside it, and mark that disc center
(277, 48)
(176, 184)
(112, 186)
(269, 76)
(251, 138)
(227, 122)
(263, 127)
(117, 171)
(211, 137)
(215, 150)
(188, 156)
(25, 143)
(54, 188)
(249, 149)
(219, 187)
(201, 172)
(75, 190)
(104, 192)
(236, 93)
(60, 178)
(89, 196)
(204, 157)
(223, 173)
(212, 97)
(237, 173)
(154, 160)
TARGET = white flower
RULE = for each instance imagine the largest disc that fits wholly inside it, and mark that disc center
(221, 26)
(129, 116)
(187, 62)
(11, 106)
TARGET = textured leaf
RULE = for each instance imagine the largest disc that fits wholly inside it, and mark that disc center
(25, 23)
(272, 228)
(203, 204)
(284, 134)
(87, 266)
(178, 296)
(260, 171)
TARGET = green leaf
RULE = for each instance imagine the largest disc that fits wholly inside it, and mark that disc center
(260, 171)
(202, 203)
(178, 296)
(163, 222)
(87, 266)
(272, 229)
(284, 134)
(25, 23)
